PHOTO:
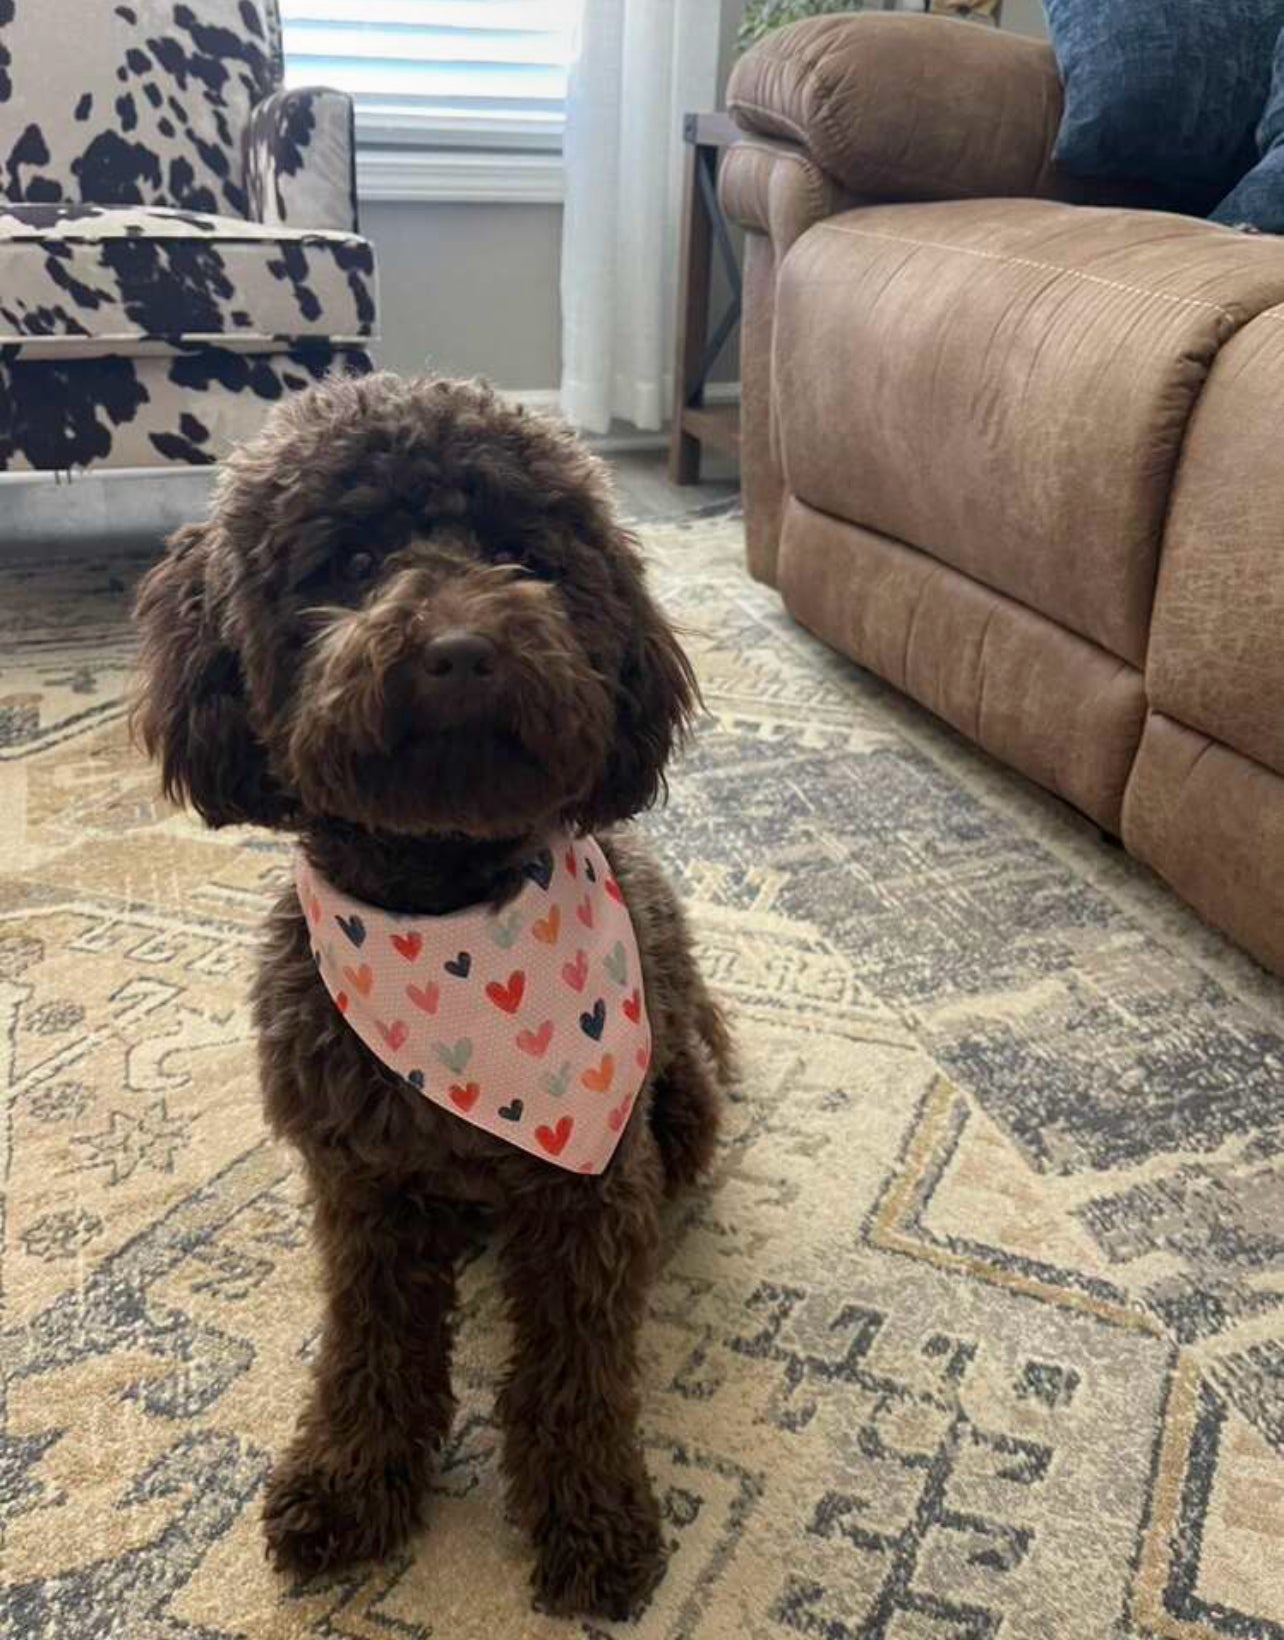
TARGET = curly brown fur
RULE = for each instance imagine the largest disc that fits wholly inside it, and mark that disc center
(282, 682)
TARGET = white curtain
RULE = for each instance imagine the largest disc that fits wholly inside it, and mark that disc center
(642, 65)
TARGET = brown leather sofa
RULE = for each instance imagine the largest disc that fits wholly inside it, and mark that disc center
(1019, 453)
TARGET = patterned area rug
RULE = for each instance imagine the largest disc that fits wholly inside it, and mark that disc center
(977, 1331)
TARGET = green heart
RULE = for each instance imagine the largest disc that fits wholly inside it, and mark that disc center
(617, 965)
(505, 930)
(456, 1058)
(556, 1085)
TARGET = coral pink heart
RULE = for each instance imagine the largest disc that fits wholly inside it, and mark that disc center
(508, 997)
(644, 1057)
(314, 909)
(614, 890)
(633, 1006)
(575, 973)
(341, 1002)
(584, 911)
(620, 1115)
(554, 1140)
(425, 997)
(536, 1043)
(410, 945)
(394, 1035)
(465, 1097)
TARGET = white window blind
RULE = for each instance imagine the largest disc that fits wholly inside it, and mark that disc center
(479, 72)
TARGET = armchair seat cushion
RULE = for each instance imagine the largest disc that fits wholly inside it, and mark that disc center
(81, 281)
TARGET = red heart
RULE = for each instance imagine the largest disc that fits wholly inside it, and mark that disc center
(620, 1114)
(410, 945)
(614, 890)
(571, 864)
(394, 1035)
(584, 911)
(597, 1079)
(508, 997)
(545, 928)
(536, 1043)
(575, 973)
(644, 1057)
(465, 1097)
(424, 997)
(341, 1002)
(362, 978)
(633, 1005)
(554, 1140)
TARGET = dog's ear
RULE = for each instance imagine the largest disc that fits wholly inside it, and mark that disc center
(656, 698)
(189, 708)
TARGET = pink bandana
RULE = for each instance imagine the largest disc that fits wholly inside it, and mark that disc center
(529, 1023)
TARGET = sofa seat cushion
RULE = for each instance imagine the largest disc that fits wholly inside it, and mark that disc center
(1216, 658)
(83, 281)
(1005, 385)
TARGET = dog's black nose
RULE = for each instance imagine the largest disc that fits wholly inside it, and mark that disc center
(457, 657)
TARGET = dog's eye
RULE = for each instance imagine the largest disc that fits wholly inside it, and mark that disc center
(359, 568)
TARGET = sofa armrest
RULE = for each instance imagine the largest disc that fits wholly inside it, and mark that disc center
(907, 107)
(300, 160)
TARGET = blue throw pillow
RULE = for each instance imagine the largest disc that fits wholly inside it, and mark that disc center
(1163, 91)
(1258, 200)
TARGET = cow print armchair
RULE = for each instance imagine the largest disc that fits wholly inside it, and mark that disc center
(178, 235)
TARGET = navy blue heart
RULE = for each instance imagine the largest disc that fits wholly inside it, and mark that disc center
(594, 1023)
(540, 869)
(353, 927)
(416, 1080)
(588, 870)
(459, 965)
(513, 1112)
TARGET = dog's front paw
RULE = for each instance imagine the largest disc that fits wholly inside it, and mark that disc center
(605, 1563)
(314, 1522)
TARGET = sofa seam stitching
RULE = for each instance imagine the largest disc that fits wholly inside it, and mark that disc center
(1043, 267)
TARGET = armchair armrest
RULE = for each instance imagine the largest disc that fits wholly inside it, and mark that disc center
(300, 159)
(907, 107)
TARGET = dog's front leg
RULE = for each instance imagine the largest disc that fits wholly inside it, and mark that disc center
(578, 1261)
(351, 1485)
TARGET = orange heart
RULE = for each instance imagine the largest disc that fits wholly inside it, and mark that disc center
(314, 909)
(597, 1079)
(545, 928)
(508, 997)
(341, 1002)
(360, 978)
(554, 1140)
(410, 945)
(536, 1043)
(644, 1057)
(465, 1097)
(394, 1035)
(424, 997)
(633, 1006)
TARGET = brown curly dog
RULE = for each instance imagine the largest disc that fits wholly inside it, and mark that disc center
(414, 635)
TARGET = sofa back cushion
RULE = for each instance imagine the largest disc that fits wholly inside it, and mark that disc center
(1164, 92)
(132, 102)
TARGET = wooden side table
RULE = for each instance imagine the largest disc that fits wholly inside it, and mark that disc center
(696, 424)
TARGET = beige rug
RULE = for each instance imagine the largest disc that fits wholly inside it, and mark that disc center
(977, 1331)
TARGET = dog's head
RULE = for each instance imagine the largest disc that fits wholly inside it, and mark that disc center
(411, 609)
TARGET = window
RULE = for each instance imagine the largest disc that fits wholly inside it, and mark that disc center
(481, 73)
